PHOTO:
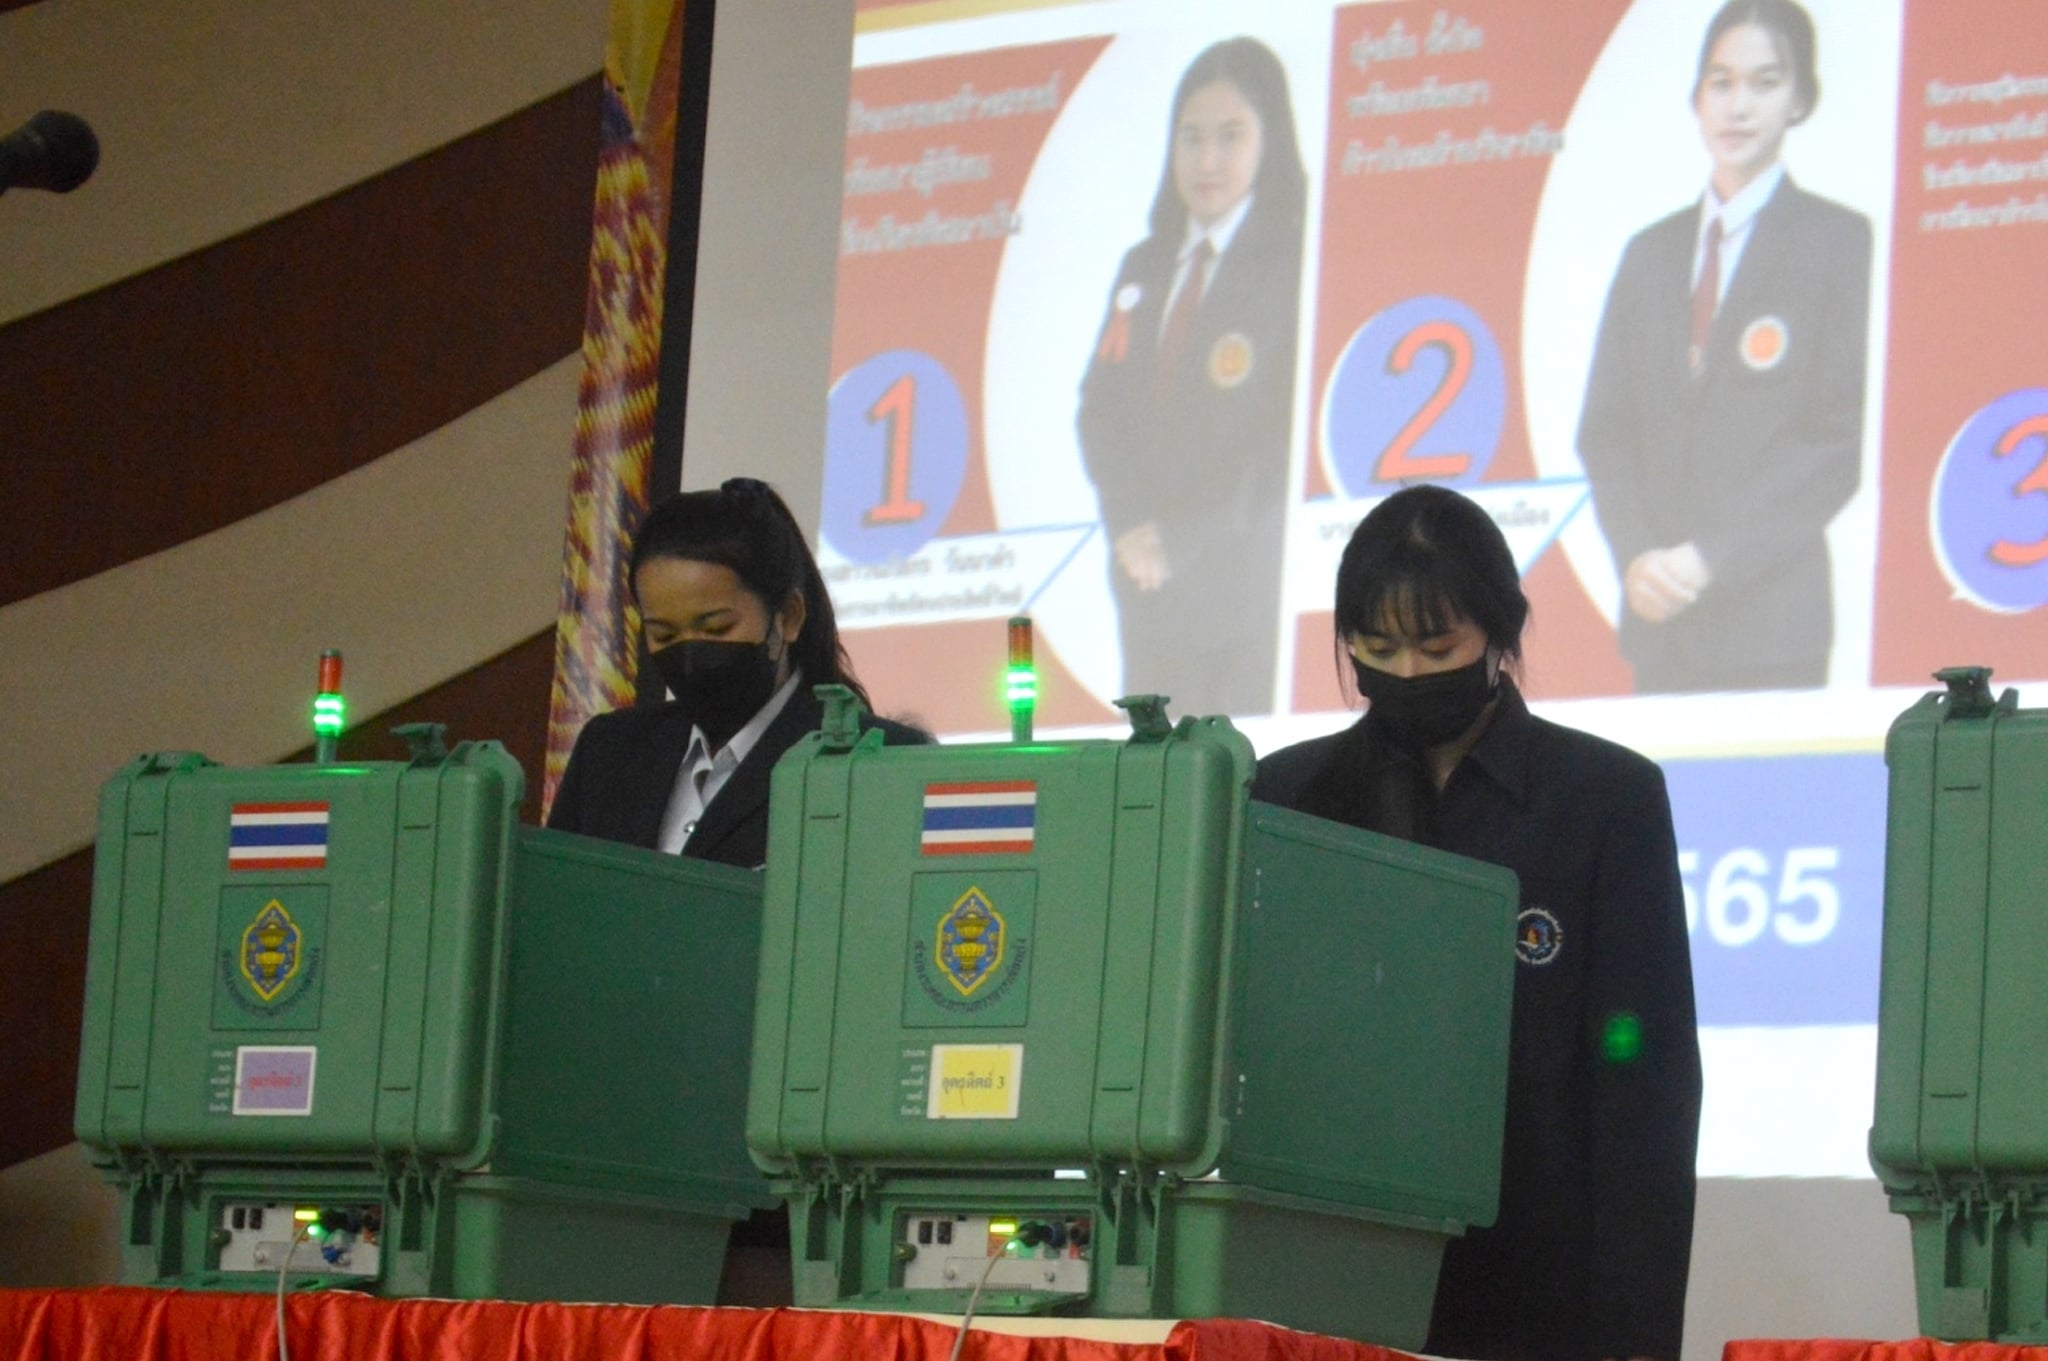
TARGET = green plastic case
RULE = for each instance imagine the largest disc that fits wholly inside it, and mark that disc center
(523, 1051)
(1254, 1041)
(1960, 1135)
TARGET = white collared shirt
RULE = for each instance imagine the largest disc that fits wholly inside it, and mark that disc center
(1737, 216)
(704, 771)
(1220, 234)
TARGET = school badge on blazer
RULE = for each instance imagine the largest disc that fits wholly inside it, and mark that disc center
(1764, 342)
(1538, 937)
(1230, 360)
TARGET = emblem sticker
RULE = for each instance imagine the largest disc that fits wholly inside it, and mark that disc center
(269, 956)
(967, 950)
(970, 942)
(1538, 937)
(1764, 342)
(1230, 360)
(271, 951)
(1128, 296)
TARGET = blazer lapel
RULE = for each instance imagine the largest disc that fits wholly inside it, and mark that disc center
(654, 782)
(1770, 244)
(1147, 314)
(745, 792)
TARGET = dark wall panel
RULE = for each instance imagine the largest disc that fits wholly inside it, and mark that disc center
(213, 387)
(42, 939)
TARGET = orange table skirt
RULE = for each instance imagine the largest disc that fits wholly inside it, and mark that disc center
(120, 1323)
(1920, 1349)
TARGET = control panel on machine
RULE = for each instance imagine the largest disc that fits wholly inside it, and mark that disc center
(327, 1240)
(1048, 1252)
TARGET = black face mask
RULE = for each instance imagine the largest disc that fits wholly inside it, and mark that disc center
(719, 684)
(1420, 712)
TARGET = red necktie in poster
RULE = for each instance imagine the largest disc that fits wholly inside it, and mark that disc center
(1705, 295)
(1180, 316)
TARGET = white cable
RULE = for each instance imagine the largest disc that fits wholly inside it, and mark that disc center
(283, 1269)
(960, 1339)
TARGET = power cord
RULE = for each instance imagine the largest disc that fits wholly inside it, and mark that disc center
(1030, 1233)
(284, 1270)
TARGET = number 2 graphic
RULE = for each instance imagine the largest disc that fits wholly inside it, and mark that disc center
(1418, 394)
(1400, 463)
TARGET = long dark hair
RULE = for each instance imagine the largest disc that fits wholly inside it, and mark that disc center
(1423, 556)
(746, 527)
(1791, 30)
(1280, 188)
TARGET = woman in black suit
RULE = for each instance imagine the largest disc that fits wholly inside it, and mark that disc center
(1186, 406)
(1723, 425)
(1588, 1257)
(739, 628)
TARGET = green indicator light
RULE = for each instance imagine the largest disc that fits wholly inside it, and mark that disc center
(1020, 680)
(1621, 1041)
(329, 713)
(1005, 1227)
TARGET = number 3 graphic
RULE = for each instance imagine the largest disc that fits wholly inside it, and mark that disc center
(2003, 552)
(1990, 517)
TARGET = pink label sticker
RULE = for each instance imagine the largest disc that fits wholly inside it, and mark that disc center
(274, 1079)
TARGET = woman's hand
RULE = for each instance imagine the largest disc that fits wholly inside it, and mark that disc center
(1661, 583)
(1142, 555)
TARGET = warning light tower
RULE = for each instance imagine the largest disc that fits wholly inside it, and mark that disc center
(330, 710)
(1020, 685)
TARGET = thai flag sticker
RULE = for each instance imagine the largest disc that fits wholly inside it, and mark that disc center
(989, 817)
(277, 836)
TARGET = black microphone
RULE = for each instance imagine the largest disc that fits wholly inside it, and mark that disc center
(54, 151)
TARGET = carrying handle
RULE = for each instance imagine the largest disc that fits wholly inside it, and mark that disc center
(843, 713)
(1149, 722)
(1969, 690)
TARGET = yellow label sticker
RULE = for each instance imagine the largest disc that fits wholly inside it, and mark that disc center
(975, 1081)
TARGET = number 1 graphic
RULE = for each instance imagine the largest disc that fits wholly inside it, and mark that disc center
(893, 410)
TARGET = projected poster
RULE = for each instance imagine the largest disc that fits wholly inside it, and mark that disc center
(1460, 251)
